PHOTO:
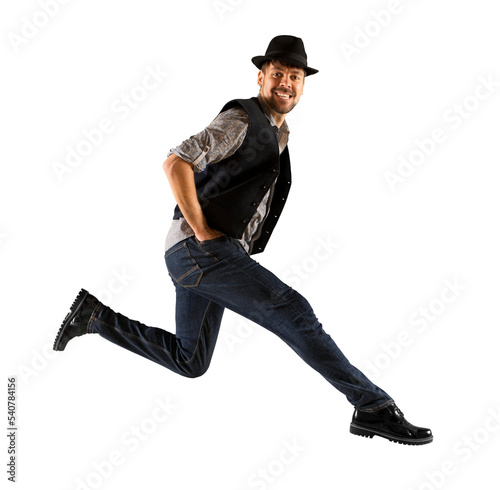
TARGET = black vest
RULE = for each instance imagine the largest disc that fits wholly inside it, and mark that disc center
(230, 191)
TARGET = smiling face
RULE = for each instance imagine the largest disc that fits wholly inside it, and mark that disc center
(281, 87)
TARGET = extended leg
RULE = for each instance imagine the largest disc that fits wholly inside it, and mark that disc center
(220, 271)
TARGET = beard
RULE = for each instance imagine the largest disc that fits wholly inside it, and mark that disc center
(281, 108)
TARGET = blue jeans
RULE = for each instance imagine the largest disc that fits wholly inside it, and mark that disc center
(216, 274)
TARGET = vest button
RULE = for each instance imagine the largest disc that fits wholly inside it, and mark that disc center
(246, 220)
(265, 186)
(255, 203)
(274, 170)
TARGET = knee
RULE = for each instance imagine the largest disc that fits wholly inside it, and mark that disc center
(196, 371)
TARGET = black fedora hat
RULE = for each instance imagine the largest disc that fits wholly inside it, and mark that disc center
(289, 49)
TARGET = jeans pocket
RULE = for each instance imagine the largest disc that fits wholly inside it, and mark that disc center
(182, 267)
(216, 248)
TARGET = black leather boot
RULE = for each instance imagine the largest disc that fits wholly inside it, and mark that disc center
(391, 424)
(77, 320)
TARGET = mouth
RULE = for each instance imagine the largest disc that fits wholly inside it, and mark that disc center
(283, 95)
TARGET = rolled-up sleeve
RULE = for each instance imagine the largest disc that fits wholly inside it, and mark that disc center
(219, 140)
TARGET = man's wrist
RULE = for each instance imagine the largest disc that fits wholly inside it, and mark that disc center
(207, 234)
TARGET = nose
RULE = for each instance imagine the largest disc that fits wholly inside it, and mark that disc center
(286, 81)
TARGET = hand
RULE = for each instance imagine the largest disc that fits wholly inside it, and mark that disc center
(208, 234)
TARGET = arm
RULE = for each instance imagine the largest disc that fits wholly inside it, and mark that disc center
(181, 178)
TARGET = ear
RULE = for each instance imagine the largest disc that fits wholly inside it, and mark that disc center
(260, 78)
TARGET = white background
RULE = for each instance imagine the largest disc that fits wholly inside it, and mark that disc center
(397, 250)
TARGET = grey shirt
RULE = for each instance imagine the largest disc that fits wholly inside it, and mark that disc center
(219, 140)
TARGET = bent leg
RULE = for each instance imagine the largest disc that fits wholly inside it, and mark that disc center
(188, 352)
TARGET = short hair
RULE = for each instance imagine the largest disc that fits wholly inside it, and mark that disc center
(279, 63)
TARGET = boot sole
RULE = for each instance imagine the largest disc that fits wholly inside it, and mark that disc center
(364, 432)
(59, 345)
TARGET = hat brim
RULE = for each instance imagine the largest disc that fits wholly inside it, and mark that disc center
(258, 61)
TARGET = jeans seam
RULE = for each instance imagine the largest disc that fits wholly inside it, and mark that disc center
(193, 261)
(170, 251)
(93, 316)
(196, 267)
(199, 333)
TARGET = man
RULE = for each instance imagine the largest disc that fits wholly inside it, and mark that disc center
(230, 183)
